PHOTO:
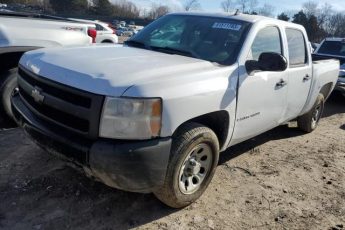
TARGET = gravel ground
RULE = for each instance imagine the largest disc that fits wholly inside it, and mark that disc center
(282, 179)
(122, 39)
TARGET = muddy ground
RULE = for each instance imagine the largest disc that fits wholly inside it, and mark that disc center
(279, 180)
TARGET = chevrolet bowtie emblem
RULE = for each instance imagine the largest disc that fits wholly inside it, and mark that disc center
(37, 95)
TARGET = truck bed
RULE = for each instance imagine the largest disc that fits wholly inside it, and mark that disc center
(326, 69)
(318, 57)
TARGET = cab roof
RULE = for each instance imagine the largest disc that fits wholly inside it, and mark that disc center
(239, 16)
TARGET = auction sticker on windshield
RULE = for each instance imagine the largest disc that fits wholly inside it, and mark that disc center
(226, 26)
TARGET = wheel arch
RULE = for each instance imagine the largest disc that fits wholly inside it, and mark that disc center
(218, 122)
(107, 41)
(326, 90)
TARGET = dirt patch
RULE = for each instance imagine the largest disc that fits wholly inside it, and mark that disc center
(122, 39)
(282, 179)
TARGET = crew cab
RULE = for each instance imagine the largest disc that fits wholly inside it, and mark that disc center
(153, 115)
(334, 48)
(22, 32)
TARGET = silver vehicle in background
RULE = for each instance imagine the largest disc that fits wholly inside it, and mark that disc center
(22, 32)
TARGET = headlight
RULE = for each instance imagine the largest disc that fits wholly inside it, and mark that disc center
(131, 118)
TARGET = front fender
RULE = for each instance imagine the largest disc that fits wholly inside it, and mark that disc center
(191, 96)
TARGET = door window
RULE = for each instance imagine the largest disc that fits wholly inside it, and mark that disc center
(297, 47)
(267, 40)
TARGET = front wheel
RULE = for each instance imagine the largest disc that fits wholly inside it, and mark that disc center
(194, 158)
(7, 89)
(309, 121)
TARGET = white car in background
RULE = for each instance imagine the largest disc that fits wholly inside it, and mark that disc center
(105, 34)
(22, 32)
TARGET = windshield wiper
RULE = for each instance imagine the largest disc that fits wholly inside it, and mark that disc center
(172, 50)
(137, 44)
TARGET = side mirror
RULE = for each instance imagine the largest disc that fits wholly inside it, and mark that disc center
(267, 62)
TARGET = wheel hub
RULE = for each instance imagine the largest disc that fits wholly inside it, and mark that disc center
(315, 117)
(195, 168)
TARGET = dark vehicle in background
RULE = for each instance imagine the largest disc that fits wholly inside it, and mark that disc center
(314, 46)
(124, 31)
(334, 48)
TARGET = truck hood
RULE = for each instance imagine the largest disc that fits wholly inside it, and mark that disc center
(108, 69)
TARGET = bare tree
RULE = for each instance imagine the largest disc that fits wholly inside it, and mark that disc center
(310, 8)
(266, 10)
(336, 25)
(252, 5)
(243, 4)
(125, 9)
(158, 11)
(227, 5)
(324, 15)
(191, 5)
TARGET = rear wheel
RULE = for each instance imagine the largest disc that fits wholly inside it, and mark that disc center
(7, 89)
(194, 158)
(309, 121)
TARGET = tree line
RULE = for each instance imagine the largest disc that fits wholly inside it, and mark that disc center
(121, 8)
(319, 20)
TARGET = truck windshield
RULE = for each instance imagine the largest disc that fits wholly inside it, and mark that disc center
(208, 38)
(333, 48)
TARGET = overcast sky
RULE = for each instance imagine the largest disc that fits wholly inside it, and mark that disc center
(214, 5)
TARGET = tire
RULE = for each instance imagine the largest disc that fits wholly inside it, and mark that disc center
(193, 161)
(309, 121)
(8, 85)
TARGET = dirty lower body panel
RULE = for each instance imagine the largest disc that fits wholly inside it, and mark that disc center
(136, 166)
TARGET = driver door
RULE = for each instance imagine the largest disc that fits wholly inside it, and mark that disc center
(262, 96)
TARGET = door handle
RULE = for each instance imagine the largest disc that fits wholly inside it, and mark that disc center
(306, 78)
(281, 83)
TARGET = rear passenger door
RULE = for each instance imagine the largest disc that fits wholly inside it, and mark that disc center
(299, 71)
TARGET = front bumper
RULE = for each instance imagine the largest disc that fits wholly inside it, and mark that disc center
(136, 166)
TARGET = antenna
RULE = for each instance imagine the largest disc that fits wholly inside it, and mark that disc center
(237, 12)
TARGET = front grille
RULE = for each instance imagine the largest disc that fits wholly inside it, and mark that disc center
(70, 108)
(56, 92)
(57, 115)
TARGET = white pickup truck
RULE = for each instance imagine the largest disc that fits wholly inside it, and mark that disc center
(21, 32)
(153, 115)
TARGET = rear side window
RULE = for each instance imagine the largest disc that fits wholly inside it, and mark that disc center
(267, 40)
(99, 27)
(297, 47)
